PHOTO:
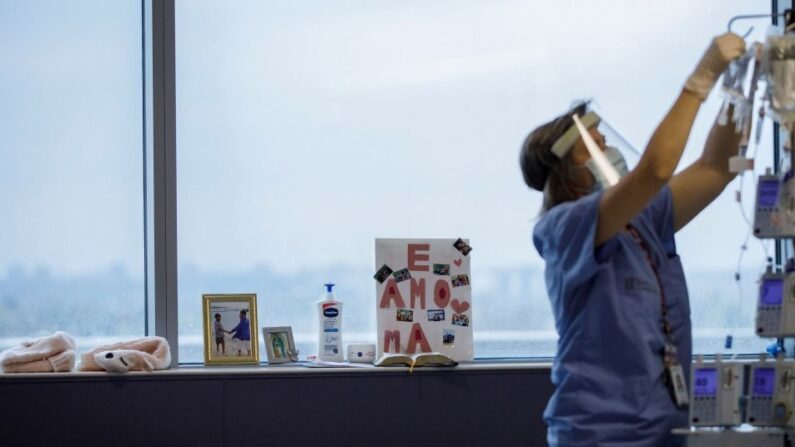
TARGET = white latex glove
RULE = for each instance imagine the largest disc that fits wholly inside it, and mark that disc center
(723, 49)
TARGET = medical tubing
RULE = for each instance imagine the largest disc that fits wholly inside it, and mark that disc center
(748, 118)
(744, 245)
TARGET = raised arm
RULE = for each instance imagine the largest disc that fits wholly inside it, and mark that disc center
(703, 181)
(623, 201)
(626, 199)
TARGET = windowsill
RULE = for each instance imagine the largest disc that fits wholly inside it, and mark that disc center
(188, 371)
(197, 370)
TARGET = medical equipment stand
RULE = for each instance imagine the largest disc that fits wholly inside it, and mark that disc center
(747, 435)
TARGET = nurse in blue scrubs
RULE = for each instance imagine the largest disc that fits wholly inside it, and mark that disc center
(613, 275)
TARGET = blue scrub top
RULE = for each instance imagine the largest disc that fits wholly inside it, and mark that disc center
(608, 371)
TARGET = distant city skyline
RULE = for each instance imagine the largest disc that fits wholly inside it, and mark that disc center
(511, 314)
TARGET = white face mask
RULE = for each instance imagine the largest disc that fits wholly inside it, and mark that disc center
(616, 159)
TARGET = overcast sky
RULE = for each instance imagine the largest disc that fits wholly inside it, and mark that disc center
(307, 129)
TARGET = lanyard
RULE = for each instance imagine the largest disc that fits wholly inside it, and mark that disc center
(669, 353)
(674, 373)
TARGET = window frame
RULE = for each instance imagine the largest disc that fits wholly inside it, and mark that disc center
(165, 183)
(164, 148)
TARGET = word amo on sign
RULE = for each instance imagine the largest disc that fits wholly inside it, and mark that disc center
(393, 298)
(418, 260)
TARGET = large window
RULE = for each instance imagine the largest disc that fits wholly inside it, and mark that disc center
(308, 128)
(71, 162)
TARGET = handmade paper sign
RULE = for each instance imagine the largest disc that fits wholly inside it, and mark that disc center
(424, 297)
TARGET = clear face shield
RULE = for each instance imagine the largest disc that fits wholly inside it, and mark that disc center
(611, 156)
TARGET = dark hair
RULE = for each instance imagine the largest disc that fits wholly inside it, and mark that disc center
(217, 315)
(542, 170)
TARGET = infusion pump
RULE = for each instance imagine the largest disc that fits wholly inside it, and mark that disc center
(770, 393)
(717, 389)
(774, 215)
(775, 308)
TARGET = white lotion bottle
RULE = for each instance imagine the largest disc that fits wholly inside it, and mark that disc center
(329, 341)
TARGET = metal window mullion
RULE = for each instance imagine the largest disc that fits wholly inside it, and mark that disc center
(165, 173)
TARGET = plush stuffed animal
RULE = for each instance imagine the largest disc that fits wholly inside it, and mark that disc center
(123, 360)
(145, 354)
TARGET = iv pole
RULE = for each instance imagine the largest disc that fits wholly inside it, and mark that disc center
(781, 254)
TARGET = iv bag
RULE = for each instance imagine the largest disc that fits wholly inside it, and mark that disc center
(733, 87)
(779, 59)
(734, 76)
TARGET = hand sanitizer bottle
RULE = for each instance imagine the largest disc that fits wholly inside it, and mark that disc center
(329, 341)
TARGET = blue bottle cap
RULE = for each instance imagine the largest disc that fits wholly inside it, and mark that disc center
(328, 287)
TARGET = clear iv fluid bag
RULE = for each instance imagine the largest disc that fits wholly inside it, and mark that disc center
(780, 75)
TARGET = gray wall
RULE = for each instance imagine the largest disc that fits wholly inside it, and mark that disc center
(430, 407)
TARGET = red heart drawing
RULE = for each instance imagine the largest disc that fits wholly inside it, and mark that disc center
(459, 307)
(457, 262)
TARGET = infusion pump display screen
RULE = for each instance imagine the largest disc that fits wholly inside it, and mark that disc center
(768, 193)
(771, 292)
(764, 380)
(706, 382)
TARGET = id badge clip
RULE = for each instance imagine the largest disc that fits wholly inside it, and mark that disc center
(675, 380)
(675, 377)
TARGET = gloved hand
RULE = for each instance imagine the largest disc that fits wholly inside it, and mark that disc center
(723, 49)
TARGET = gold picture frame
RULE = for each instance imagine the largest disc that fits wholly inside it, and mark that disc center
(224, 315)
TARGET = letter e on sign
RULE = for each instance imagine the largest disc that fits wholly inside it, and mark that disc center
(419, 253)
